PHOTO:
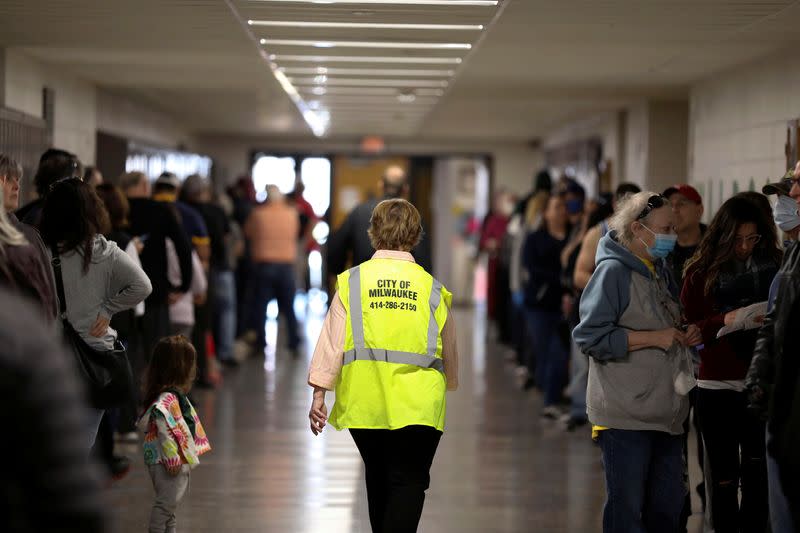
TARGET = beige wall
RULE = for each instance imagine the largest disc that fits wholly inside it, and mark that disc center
(81, 109)
(738, 126)
(646, 142)
(120, 115)
(514, 163)
(668, 130)
(75, 101)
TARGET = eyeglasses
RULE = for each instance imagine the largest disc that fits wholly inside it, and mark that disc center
(749, 239)
(654, 202)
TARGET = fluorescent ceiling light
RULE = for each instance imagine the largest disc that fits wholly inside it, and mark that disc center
(369, 90)
(363, 25)
(366, 71)
(479, 3)
(367, 59)
(358, 82)
(366, 44)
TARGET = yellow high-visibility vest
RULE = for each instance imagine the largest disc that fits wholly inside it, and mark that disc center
(393, 374)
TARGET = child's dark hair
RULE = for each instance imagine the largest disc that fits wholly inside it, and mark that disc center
(173, 365)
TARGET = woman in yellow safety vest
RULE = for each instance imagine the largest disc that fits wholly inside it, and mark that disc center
(388, 349)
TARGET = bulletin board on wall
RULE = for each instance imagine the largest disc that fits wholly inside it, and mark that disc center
(583, 161)
(24, 138)
(792, 153)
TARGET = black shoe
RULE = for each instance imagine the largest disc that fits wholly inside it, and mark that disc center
(119, 466)
(574, 423)
(230, 363)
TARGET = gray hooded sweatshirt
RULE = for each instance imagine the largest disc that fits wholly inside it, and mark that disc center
(645, 389)
(112, 284)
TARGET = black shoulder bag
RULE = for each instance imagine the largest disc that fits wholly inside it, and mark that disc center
(106, 373)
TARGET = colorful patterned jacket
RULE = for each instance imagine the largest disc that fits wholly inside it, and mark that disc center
(174, 435)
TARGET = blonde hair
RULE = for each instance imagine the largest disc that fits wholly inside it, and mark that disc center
(535, 208)
(628, 210)
(9, 235)
(128, 180)
(395, 225)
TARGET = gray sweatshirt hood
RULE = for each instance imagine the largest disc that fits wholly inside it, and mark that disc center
(102, 250)
(609, 248)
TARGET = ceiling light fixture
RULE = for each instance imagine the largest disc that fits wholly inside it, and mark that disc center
(366, 59)
(378, 91)
(363, 25)
(471, 3)
(359, 82)
(366, 44)
(367, 71)
(406, 96)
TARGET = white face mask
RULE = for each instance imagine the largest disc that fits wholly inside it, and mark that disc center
(785, 213)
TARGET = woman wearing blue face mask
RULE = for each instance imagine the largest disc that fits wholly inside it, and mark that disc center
(640, 368)
(732, 268)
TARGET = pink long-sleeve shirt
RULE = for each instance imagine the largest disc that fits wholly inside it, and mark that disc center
(326, 364)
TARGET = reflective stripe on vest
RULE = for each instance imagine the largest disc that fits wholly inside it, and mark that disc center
(361, 353)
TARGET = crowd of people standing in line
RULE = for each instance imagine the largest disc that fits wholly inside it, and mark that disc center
(663, 316)
(168, 270)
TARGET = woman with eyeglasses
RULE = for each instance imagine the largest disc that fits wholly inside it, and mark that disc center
(640, 368)
(99, 279)
(732, 268)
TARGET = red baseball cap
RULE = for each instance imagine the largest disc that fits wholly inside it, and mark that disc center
(687, 191)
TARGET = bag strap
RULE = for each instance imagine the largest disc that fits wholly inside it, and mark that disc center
(62, 300)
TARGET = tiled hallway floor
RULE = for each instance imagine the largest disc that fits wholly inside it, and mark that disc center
(499, 468)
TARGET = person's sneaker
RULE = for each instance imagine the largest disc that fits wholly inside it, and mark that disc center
(242, 350)
(574, 423)
(552, 412)
(119, 466)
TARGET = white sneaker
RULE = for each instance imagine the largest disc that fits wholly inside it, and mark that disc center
(241, 350)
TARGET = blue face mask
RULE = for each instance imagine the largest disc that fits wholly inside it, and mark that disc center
(663, 245)
(574, 206)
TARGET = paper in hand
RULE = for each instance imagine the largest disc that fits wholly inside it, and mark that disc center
(745, 319)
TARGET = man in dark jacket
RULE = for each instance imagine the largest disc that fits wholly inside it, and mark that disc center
(352, 234)
(153, 223)
(773, 383)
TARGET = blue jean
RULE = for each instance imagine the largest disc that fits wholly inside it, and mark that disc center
(224, 312)
(578, 382)
(268, 281)
(644, 481)
(780, 514)
(549, 354)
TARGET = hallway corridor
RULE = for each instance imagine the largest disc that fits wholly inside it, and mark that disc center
(499, 468)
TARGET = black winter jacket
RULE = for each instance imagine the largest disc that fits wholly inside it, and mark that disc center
(773, 381)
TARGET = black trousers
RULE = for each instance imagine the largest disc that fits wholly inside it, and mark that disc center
(397, 464)
(736, 452)
(155, 326)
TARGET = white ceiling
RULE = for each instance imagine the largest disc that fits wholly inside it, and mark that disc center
(539, 64)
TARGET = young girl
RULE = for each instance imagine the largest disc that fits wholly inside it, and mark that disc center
(174, 438)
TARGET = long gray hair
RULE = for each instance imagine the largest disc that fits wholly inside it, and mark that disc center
(627, 212)
(9, 235)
